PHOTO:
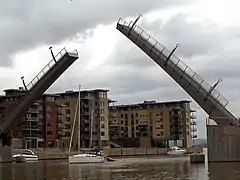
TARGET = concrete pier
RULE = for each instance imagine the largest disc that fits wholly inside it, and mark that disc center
(197, 158)
(5, 154)
(223, 143)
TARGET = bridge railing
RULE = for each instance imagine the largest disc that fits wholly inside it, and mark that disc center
(161, 50)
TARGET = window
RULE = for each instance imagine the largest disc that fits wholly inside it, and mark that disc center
(105, 143)
(102, 110)
(102, 103)
(161, 133)
(49, 132)
(50, 99)
(49, 108)
(103, 126)
(67, 126)
(102, 118)
(67, 111)
(161, 126)
(158, 134)
(68, 119)
(102, 94)
(161, 113)
(67, 103)
(121, 115)
(102, 133)
(68, 134)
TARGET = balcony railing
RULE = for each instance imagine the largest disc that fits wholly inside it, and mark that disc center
(193, 116)
(31, 119)
(31, 127)
(194, 136)
(193, 130)
(193, 123)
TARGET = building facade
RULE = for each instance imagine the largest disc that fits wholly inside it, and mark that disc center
(164, 121)
(93, 119)
(37, 129)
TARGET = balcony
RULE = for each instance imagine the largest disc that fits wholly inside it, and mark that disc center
(85, 112)
(86, 121)
(61, 125)
(176, 115)
(194, 136)
(33, 110)
(30, 127)
(193, 116)
(194, 130)
(176, 136)
(35, 119)
(193, 123)
(177, 108)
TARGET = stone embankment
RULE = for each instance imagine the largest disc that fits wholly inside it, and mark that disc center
(114, 152)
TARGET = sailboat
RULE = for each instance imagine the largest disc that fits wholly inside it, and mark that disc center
(81, 158)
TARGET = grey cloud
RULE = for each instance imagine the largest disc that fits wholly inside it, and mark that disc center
(27, 24)
(196, 38)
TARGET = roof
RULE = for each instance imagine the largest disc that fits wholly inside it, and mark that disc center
(14, 90)
(50, 95)
(154, 102)
(72, 92)
(111, 101)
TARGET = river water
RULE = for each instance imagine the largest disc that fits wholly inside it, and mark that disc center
(147, 168)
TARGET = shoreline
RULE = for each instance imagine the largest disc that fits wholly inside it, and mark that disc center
(120, 152)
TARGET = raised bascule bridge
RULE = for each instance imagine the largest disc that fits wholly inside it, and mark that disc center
(33, 91)
(223, 138)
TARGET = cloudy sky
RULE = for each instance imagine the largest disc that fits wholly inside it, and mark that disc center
(208, 31)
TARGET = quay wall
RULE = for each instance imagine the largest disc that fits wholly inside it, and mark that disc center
(116, 152)
(223, 143)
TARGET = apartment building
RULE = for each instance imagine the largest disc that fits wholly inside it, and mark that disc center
(161, 121)
(37, 129)
(93, 119)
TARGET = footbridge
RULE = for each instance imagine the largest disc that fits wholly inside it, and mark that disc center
(35, 88)
(210, 100)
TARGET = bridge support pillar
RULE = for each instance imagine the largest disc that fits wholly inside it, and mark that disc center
(223, 143)
(5, 148)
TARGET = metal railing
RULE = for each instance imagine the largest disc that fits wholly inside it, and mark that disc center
(162, 51)
(48, 67)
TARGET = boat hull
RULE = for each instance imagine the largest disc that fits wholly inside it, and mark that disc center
(22, 158)
(176, 152)
(83, 159)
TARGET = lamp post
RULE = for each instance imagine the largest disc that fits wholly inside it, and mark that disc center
(52, 54)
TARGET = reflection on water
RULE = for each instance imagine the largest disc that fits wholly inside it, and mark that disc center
(122, 169)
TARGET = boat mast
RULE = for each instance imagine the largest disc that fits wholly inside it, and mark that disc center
(73, 127)
(91, 124)
(79, 118)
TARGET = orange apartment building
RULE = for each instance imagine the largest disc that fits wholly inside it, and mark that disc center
(160, 121)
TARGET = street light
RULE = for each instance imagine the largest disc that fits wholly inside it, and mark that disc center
(52, 54)
(24, 83)
(140, 15)
(213, 87)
